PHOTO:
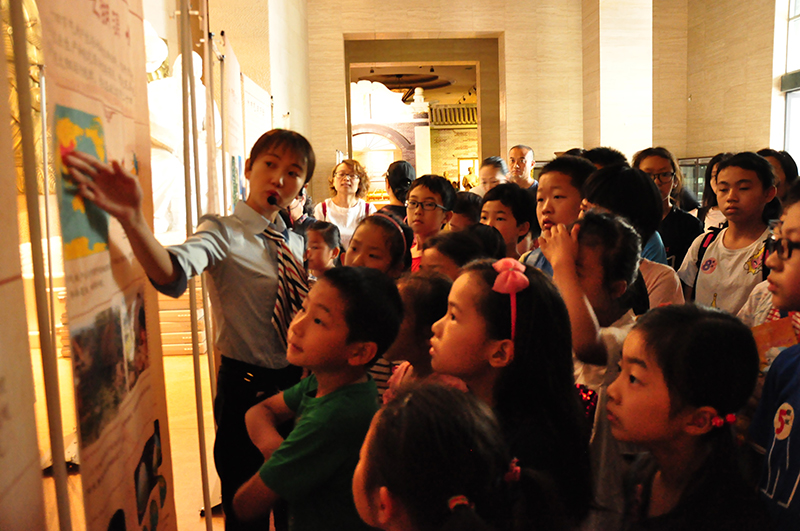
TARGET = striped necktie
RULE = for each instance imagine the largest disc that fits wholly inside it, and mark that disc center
(292, 285)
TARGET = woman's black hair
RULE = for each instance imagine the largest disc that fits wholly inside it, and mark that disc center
(663, 153)
(400, 176)
(427, 295)
(329, 233)
(629, 193)
(438, 185)
(709, 197)
(285, 139)
(400, 237)
(468, 204)
(708, 357)
(497, 163)
(535, 396)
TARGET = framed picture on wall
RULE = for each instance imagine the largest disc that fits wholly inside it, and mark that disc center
(468, 173)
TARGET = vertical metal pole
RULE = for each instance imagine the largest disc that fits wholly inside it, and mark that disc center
(49, 363)
(187, 83)
(46, 177)
(222, 111)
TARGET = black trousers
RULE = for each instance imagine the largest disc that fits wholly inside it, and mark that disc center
(240, 386)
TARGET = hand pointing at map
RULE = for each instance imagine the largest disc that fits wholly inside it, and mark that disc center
(115, 190)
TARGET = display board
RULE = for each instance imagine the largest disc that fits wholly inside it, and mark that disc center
(97, 104)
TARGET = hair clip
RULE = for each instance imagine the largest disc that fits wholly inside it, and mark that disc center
(455, 501)
(718, 421)
(514, 471)
(510, 280)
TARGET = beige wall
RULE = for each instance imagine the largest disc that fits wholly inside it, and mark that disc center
(670, 55)
(540, 79)
(730, 54)
(270, 40)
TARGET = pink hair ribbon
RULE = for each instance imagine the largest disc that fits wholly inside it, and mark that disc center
(510, 280)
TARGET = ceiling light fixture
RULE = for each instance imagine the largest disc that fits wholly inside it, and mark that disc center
(371, 70)
(431, 69)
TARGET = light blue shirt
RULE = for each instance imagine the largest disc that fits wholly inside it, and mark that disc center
(242, 266)
(654, 249)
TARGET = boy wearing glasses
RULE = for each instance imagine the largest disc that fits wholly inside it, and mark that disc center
(774, 421)
(722, 267)
(428, 208)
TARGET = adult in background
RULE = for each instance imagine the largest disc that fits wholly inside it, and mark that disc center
(520, 167)
(399, 177)
(349, 184)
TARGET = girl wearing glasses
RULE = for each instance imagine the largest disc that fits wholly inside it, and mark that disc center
(678, 228)
(349, 184)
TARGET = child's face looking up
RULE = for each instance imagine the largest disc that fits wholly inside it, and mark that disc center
(423, 221)
(557, 201)
(317, 337)
(369, 247)
(277, 173)
(784, 277)
(319, 255)
(638, 400)
(460, 346)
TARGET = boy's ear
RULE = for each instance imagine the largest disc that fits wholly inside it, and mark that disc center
(447, 217)
(503, 354)
(362, 353)
(618, 288)
(336, 251)
(523, 229)
(771, 193)
(700, 421)
(388, 508)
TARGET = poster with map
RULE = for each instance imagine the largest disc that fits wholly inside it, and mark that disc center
(97, 105)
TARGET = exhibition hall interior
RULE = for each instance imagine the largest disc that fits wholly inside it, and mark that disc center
(107, 385)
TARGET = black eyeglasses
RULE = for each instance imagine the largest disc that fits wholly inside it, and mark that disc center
(782, 246)
(664, 177)
(427, 206)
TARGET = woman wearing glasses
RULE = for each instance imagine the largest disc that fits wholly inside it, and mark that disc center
(349, 184)
(678, 228)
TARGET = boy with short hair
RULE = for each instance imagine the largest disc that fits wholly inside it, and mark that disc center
(558, 200)
(775, 419)
(733, 258)
(350, 318)
(511, 210)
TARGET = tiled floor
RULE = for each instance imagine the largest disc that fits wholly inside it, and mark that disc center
(183, 436)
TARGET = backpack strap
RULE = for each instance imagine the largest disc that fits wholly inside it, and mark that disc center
(325, 210)
(708, 237)
(366, 209)
(764, 269)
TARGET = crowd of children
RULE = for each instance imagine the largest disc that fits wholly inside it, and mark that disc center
(519, 358)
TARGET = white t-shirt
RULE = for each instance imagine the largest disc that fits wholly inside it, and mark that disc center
(756, 309)
(346, 219)
(714, 218)
(727, 276)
